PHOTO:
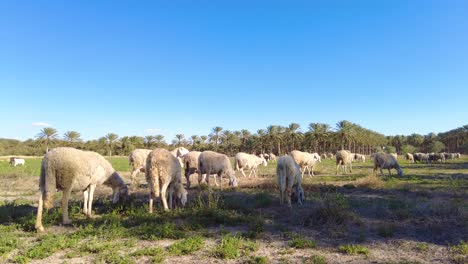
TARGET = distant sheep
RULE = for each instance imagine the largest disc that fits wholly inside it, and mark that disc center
(178, 153)
(343, 159)
(305, 160)
(16, 161)
(190, 161)
(211, 162)
(409, 157)
(137, 159)
(360, 157)
(69, 169)
(386, 161)
(421, 157)
(249, 162)
(288, 174)
(162, 169)
(272, 157)
(394, 155)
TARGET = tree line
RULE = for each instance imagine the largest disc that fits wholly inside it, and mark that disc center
(318, 137)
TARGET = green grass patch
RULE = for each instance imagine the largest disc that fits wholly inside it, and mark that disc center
(257, 260)
(301, 242)
(354, 249)
(421, 247)
(49, 244)
(113, 257)
(186, 246)
(232, 247)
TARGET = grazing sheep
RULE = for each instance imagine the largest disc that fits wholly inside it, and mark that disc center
(69, 169)
(288, 174)
(177, 195)
(272, 156)
(178, 153)
(137, 159)
(409, 157)
(330, 155)
(386, 161)
(17, 161)
(317, 156)
(323, 156)
(190, 161)
(305, 161)
(360, 157)
(434, 157)
(394, 155)
(421, 157)
(249, 162)
(211, 162)
(343, 158)
(162, 169)
(458, 155)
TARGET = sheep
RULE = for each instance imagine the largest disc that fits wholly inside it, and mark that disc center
(190, 161)
(162, 169)
(409, 157)
(386, 161)
(178, 153)
(272, 157)
(17, 161)
(317, 156)
(176, 194)
(394, 155)
(330, 155)
(458, 155)
(70, 169)
(288, 174)
(137, 159)
(305, 161)
(210, 162)
(265, 156)
(323, 156)
(343, 158)
(359, 157)
(421, 157)
(434, 157)
(247, 161)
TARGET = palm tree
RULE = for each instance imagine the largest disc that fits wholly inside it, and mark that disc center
(149, 139)
(179, 138)
(274, 135)
(72, 136)
(345, 132)
(111, 138)
(159, 140)
(216, 134)
(293, 135)
(48, 135)
(244, 135)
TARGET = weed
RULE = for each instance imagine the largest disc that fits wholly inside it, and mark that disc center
(301, 242)
(257, 260)
(354, 249)
(186, 246)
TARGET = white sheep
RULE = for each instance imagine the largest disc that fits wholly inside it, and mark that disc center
(190, 161)
(386, 161)
(210, 162)
(69, 169)
(409, 157)
(272, 157)
(176, 195)
(343, 158)
(178, 153)
(162, 169)
(394, 155)
(137, 159)
(305, 160)
(249, 162)
(288, 174)
(17, 161)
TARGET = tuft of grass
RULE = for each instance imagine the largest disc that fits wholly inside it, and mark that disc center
(332, 210)
(20, 259)
(96, 246)
(316, 259)
(231, 247)
(257, 260)
(301, 242)
(371, 181)
(354, 249)
(8, 241)
(421, 247)
(256, 228)
(186, 246)
(113, 257)
(49, 244)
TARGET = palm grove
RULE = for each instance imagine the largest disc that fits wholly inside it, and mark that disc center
(319, 137)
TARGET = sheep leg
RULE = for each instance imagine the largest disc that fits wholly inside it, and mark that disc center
(90, 200)
(337, 166)
(85, 201)
(216, 183)
(163, 195)
(133, 177)
(308, 170)
(350, 168)
(381, 172)
(65, 198)
(243, 173)
(39, 226)
(187, 177)
(250, 173)
(170, 194)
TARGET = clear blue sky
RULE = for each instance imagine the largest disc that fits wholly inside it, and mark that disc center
(136, 67)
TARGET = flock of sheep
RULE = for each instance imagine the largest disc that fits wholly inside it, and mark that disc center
(69, 169)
